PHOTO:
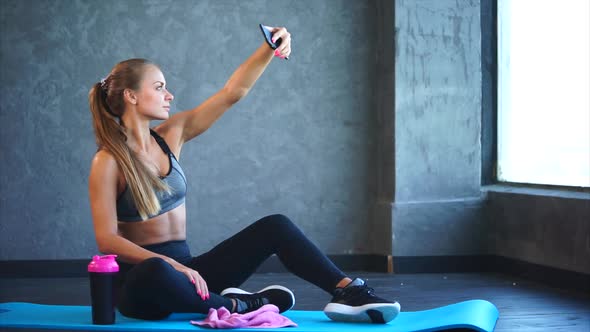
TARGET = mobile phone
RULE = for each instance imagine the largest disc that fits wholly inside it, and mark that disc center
(268, 37)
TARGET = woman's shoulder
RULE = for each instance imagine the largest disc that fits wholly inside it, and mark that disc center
(103, 154)
(104, 169)
(104, 160)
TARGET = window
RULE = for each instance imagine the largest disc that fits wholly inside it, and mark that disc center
(544, 92)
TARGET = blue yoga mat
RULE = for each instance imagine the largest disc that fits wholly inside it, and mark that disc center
(478, 315)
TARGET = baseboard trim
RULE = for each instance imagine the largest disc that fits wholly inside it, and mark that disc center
(59, 268)
(551, 276)
(442, 264)
(363, 262)
(72, 268)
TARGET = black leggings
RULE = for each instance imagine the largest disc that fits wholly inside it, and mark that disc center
(153, 289)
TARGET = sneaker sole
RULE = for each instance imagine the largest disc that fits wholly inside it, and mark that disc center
(233, 290)
(379, 313)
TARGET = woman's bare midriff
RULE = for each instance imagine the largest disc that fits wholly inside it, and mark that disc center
(169, 226)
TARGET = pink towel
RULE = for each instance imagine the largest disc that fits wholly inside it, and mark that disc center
(266, 316)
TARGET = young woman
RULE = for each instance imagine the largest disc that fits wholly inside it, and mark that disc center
(137, 196)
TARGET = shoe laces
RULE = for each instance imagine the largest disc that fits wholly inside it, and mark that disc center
(357, 290)
(254, 303)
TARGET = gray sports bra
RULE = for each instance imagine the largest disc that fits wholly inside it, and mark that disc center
(126, 210)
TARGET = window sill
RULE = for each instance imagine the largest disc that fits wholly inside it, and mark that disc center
(534, 191)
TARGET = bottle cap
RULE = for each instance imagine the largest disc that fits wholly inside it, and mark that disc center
(105, 264)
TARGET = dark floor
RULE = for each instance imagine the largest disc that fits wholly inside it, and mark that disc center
(523, 305)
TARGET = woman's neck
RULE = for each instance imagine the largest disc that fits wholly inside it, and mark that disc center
(138, 133)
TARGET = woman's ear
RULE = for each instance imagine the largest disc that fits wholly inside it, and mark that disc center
(130, 96)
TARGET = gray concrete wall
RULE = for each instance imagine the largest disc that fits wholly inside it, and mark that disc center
(299, 144)
(437, 200)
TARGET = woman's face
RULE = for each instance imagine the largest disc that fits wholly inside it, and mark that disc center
(153, 99)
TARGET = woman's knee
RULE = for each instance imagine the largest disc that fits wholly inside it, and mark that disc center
(153, 264)
(278, 223)
(147, 270)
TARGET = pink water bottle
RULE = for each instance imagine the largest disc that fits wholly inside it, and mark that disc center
(102, 271)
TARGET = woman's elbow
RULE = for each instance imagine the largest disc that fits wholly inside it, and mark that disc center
(235, 94)
(104, 244)
(103, 248)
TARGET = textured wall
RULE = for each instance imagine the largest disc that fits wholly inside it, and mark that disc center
(437, 128)
(299, 144)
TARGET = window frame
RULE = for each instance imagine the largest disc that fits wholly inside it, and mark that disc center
(489, 112)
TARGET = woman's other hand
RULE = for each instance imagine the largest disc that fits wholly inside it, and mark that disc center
(284, 50)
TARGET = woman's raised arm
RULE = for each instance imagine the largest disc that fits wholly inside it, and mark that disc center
(184, 126)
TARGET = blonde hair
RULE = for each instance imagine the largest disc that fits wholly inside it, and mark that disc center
(107, 106)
